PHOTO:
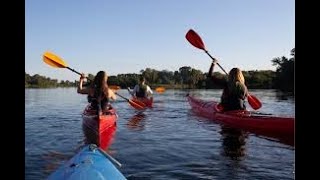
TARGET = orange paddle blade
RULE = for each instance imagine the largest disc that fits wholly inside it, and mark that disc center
(53, 60)
(254, 102)
(114, 87)
(160, 89)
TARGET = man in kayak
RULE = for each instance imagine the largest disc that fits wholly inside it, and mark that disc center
(234, 89)
(141, 90)
(99, 94)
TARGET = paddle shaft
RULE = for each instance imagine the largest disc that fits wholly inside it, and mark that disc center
(130, 92)
(55, 61)
(216, 62)
(91, 80)
(253, 101)
(74, 71)
(77, 72)
(197, 42)
(122, 96)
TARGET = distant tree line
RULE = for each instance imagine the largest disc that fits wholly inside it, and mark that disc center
(188, 77)
(38, 81)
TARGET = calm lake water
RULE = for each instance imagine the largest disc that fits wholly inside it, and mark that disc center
(166, 142)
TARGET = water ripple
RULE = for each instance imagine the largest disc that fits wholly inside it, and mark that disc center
(166, 142)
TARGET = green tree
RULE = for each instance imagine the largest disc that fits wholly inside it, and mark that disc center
(259, 79)
(284, 79)
(195, 77)
(27, 80)
(185, 73)
(151, 75)
(177, 77)
(38, 81)
(165, 77)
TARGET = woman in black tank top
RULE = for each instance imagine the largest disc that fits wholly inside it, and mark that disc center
(98, 92)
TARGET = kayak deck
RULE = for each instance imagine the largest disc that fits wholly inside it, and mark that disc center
(88, 164)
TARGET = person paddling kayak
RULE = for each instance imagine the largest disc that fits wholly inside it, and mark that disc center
(141, 90)
(99, 94)
(234, 88)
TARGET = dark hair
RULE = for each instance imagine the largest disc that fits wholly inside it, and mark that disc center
(142, 78)
(100, 85)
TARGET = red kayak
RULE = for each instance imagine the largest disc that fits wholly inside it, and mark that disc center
(280, 128)
(99, 129)
(147, 101)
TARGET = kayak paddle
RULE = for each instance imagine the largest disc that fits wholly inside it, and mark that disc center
(114, 87)
(55, 61)
(197, 42)
(136, 100)
(160, 90)
(136, 104)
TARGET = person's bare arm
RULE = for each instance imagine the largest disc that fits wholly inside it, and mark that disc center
(134, 91)
(130, 92)
(149, 91)
(112, 95)
(80, 89)
(218, 81)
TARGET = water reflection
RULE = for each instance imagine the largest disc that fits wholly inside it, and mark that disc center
(286, 140)
(284, 95)
(233, 141)
(137, 122)
(53, 160)
(189, 149)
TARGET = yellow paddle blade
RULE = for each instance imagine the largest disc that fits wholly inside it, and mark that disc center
(53, 60)
(160, 89)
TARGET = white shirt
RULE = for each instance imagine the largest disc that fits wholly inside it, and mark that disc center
(136, 89)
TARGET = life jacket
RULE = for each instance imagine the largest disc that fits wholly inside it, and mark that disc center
(233, 97)
(142, 92)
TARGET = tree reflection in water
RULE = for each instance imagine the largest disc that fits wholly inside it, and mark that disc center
(137, 122)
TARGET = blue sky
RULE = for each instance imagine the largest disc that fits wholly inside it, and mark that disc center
(126, 36)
